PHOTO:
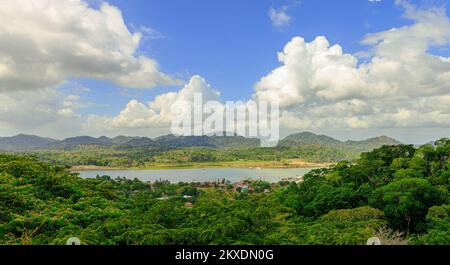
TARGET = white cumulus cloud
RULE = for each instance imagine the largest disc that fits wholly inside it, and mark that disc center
(44, 112)
(400, 85)
(44, 42)
(155, 114)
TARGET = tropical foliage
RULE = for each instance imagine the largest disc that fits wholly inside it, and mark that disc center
(396, 188)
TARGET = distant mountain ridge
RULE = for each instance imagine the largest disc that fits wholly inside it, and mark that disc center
(309, 138)
(373, 143)
(207, 141)
(22, 142)
(82, 140)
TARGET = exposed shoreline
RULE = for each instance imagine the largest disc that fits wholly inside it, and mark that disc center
(231, 164)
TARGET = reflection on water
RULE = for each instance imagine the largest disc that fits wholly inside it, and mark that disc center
(202, 175)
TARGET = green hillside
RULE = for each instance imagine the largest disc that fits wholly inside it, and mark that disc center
(308, 138)
(397, 193)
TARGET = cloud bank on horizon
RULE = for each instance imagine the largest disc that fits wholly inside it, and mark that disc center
(396, 82)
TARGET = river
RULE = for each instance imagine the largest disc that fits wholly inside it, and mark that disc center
(202, 175)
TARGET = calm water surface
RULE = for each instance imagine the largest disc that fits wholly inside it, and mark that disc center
(202, 175)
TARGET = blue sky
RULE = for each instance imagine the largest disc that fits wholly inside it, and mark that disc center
(233, 43)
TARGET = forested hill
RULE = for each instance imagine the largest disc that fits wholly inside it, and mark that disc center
(29, 142)
(308, 138)
(23, 142)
